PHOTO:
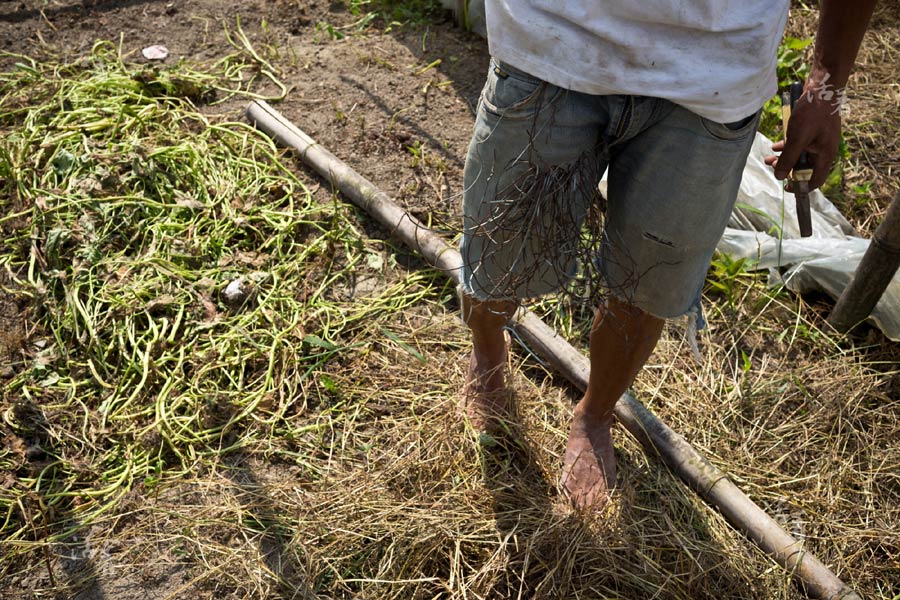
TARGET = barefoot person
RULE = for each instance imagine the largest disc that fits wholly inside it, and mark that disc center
(667, 95)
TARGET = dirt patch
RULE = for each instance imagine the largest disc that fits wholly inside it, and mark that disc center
(368, 97)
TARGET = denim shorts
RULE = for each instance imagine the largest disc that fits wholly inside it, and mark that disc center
(531, 207)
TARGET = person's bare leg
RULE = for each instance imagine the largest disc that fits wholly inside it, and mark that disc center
(622, 339)
(484, 392)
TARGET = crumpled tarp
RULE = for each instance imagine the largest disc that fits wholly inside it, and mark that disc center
(824, 262)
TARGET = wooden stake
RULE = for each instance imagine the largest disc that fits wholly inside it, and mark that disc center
(873, 275)
(655, 436)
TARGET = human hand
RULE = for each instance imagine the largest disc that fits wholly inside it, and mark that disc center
(814, 127)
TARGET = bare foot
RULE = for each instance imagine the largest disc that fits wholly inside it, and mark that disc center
(484, 394)
(589, 466)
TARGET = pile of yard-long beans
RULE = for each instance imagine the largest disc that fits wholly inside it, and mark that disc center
(126, 212)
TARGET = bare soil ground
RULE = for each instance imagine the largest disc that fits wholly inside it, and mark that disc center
(809, 428)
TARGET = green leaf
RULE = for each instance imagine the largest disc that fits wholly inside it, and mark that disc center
(316, 341)
(62, 162)
(328, 383)
(797, 43)
(396, 339)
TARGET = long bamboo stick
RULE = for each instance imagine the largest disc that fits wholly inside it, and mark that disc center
(873, 275)
(655, 436)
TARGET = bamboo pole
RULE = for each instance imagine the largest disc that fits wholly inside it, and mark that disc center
(873, 275)
(655, 436)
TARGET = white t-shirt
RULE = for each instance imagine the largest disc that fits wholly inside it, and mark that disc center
(714, 57)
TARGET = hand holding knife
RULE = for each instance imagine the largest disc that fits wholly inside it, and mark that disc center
(803, 169)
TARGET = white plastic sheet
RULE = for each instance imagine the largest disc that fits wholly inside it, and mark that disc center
(824, 262)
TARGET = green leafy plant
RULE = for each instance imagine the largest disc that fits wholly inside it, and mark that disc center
(832, 186)
(790, 67)
(333, 32)
(396, 13)
(862, 193)
(417, 150)
(358, 7)
(725, 277)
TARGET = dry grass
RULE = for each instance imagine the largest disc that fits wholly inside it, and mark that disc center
(380, 492)
(356, 479)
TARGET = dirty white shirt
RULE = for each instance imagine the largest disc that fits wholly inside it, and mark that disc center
(714, 57)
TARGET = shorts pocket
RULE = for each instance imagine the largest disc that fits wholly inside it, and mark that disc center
(731, 131)
(514, 94)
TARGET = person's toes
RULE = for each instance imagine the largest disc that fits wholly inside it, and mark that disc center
(589, 467)
(584, 482)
